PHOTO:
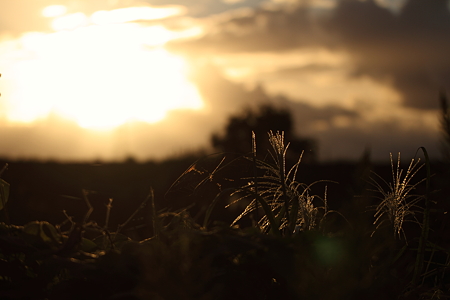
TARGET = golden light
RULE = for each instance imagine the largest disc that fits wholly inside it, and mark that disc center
(71, 21)
(100, 76)
(129, 14)
(54, 11)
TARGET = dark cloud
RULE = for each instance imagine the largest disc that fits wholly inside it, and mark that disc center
(410, 48)
(307, 114)
(307, 69)
(347, 142)
(263, 30)
(203, 8)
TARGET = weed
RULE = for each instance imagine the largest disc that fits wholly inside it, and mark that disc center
(397, 202)
(287, 254)
(287, 204)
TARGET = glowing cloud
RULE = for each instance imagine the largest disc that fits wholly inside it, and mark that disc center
(54, 11)
(71, 21)
(130, 14)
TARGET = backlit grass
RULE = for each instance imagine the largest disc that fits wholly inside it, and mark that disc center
(283, 243)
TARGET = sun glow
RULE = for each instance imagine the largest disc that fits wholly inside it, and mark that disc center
(129, 14)
(71, 21)
(100, 76)
(54, 11)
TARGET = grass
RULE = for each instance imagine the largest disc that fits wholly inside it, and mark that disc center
(287, 204)
(397, 203)
(286, 251)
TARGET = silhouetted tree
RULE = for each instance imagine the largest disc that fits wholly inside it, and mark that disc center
(237, 136)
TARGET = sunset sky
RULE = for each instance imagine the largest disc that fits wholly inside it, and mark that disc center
(109, 79)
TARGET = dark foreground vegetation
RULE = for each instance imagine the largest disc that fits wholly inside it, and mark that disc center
(257, 226)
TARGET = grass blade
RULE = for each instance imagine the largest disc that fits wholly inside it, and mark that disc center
(274, 226)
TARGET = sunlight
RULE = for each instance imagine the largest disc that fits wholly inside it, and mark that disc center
(70, 21)
(54, 11)
(129, 14)
(100, 76)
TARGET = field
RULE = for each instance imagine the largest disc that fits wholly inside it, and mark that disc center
(225, 228)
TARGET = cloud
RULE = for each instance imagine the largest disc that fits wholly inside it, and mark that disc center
(341, 133)
(21, 16)
(409, 49)
(344, 134)
(261, 30)
(205, 8)
(183, 130)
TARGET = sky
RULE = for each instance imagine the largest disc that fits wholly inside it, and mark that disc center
(87, 80)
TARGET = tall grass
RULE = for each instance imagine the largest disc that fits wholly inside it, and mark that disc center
(289, 256)
(397, 204)
(288, 205)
